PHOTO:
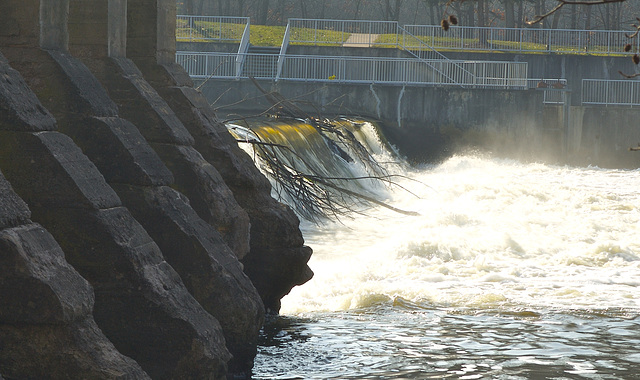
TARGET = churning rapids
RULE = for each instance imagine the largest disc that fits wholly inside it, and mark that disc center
(511, 271)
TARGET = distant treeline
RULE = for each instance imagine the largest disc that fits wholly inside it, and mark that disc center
(503, 13)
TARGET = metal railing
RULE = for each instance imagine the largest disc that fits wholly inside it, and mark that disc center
(421, 50)
(352, 33)
(211, 28)
(346, 69)
(611, 92)
(554, 89)
(610, 42)
(341, 32)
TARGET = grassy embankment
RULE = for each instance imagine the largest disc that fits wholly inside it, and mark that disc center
(261, 35)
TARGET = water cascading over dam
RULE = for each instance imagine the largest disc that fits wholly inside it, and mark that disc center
(509, 270)
(322, 168)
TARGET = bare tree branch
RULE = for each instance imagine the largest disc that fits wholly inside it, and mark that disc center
(562, 3)
(629, 76)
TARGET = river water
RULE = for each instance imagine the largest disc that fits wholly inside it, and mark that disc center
(511, 271)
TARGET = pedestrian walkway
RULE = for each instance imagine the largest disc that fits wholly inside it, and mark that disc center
(360, 40)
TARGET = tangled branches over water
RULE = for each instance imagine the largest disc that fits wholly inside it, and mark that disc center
(314, 196)
(309, 187)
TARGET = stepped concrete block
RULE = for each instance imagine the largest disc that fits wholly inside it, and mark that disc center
(141, 303)
(141, 104)
(124, 157)
(151, 45)
(20, 107)
(208, 194)
(119, 151)
(13, 210)
(87, 95)
(196, 178)
(45, 310)
(275, 233)
(216, 143)
(209, 269)
(61, 352)
(65, 177)
(57, 294)
(45, 313)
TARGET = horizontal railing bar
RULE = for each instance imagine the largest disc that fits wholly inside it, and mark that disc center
(352, 69)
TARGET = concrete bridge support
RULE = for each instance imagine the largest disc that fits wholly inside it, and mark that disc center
(176, 321)
(141, 303)
(276, 241)
(45, 305)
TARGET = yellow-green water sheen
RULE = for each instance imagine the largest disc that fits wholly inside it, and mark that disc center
(512, 271)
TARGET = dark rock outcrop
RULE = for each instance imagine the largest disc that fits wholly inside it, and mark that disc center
(141, 304)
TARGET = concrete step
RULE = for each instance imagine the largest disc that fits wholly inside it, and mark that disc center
(263, 49)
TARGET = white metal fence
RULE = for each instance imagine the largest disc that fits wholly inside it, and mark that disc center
(524, 39)
(555, 90)
(352, 33)
(211, 28)
(389, 33)
(340, 32)
(611, 92)
(345, 69)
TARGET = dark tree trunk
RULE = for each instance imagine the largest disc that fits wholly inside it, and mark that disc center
(520, 14)
(574, 17)
(556, 19)
(263, 12)
(303, 9)
(587, 21)
(509, 15)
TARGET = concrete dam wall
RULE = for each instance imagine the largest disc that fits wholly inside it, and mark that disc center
(427, 122)
(136, 239)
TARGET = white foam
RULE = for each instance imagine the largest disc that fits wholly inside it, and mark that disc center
(491, 232)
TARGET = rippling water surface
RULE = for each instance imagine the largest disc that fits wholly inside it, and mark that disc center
(511, 271)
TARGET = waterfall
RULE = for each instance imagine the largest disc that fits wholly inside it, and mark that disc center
(322, 168)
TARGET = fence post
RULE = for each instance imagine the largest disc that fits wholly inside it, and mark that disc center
(491, 36)
(521, 32)
(191, 26)
(283, 51)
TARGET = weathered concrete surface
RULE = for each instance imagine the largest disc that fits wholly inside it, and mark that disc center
(141, 303)
(194, 176)
(275, 236)
(119, 151)
(46, 314)
(603, 136)
(45, 307)
(218, 282)
(278, 257)
(418, 120)
(209, 269)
